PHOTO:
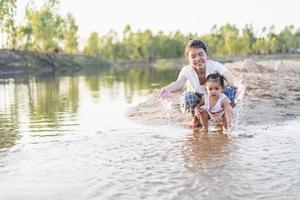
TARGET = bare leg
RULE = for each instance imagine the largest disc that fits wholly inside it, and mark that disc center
(194, 123)
(228, 117)
(232, 104)
(224, 123)
(204, 120)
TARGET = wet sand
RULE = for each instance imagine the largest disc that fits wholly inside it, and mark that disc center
(272, 95)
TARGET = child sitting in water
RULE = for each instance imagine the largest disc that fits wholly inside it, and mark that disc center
(214, 105)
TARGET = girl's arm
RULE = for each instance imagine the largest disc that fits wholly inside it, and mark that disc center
(198, 107)
(201, 102)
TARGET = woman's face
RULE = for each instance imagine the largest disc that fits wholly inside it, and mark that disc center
(197, 58)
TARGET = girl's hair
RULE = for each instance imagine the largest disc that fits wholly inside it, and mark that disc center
(215, 78)
(192, 44)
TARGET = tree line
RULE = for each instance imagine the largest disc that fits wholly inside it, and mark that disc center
(45, 30)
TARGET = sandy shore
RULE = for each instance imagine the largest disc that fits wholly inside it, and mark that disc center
(272, 95)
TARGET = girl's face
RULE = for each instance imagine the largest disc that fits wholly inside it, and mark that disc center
(213, 88)
(197, 57)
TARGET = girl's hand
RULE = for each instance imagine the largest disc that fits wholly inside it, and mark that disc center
(228, 127)
(198, 110)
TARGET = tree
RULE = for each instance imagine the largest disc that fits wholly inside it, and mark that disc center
(247, 40)
(7, 25)
(231, 37)
(92, 47)
(44, 28)
(71, 39)
(107, 45)
(287, 39)
(272, 39)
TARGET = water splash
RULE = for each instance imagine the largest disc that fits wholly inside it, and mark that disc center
(166, 103)
(237, 112)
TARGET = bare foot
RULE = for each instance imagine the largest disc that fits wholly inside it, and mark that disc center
(204, 130)
(194, 123)
(232, 104)
(227, 129)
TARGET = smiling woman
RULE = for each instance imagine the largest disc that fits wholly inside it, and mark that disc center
(193, 76)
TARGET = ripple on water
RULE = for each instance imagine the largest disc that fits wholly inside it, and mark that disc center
(170, 163)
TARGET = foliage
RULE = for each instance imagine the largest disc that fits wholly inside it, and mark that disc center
(7, 22)
(45, 30)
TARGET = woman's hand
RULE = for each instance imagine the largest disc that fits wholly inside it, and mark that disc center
(164, 93)
(240, 92)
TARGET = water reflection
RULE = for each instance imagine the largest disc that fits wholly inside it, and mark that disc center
(203, 151)
(9, 120)
(50, 98)
(8, 131)
(134, 80)
(49, 105)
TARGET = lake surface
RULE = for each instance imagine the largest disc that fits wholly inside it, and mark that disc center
(68, 137)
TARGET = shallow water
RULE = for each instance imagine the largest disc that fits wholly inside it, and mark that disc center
(69, 138)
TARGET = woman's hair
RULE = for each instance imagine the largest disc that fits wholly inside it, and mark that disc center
(215, 78)
(194, 44)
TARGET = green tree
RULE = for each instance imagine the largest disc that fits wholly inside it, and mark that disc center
(71, 38)
(92, 47)
(260, 46)
(247, 40)
(145, 45)
(287, 39)
(24, 37)
(107, 45)
(231, 37)
(272, 39)
(44, 27)
(7, 23)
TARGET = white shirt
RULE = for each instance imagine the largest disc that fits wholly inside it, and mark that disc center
(218, 106)
(193, 83)
(216, 113)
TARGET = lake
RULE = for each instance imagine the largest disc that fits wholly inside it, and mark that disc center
(68, 137)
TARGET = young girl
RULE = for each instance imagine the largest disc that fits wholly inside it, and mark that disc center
(214, 105)
(193, 77)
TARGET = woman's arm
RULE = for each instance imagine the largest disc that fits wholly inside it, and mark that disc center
(231, 79)
(235, 82)
(175, 86)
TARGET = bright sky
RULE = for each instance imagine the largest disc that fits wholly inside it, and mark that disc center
(195, 16)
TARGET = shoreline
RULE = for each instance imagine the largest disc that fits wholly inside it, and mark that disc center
(15, 62)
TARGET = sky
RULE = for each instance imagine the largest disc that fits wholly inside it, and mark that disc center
(187, 16)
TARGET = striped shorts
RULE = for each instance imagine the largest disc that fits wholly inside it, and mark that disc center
(189, 100)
